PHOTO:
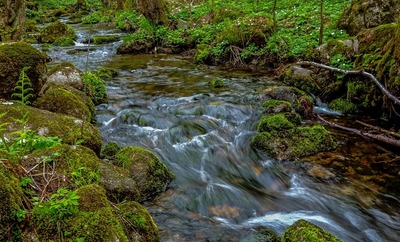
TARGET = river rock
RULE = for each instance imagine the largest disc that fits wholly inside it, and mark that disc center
(66, 74)
(13, 58)
(301, 78)
(151, 175)
(364, 14)
(56, 32)
(138, 223)
(304, 231)
(71, 130)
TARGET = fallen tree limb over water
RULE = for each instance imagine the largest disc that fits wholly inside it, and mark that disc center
(377, 137)
(355, 72)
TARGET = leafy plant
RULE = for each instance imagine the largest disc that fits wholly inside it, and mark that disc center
(62, 204)
(23, 89)
(95, 88)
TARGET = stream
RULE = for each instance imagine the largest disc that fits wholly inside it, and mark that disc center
(223, 188)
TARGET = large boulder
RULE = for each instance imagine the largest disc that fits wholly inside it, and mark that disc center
(364, 14)
(60, 100)
(67, 74)
(71, 130)
(57, 32)
(13, 58)
(301, 78)
(151, 175)
(304, 231)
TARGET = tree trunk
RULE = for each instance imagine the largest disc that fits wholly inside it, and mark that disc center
(321, 28)
(154, 10)
(12, 19)
(274, 14)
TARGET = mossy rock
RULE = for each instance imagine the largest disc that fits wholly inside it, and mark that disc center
(217, 83)
(304, 231)
(71, 130)
(105, 39)
(301, 78)
(59, 100)
(10, 203)
(138, 223)
(105, 72)
(274, 122)
(110, 150)
(119, 184)
(64, 41)
(56, 31)
(226, 13)
(74, 166)
(343, 106)
(363, 14)
(65, 73)
(293, 143)
(345, 47)
(272, 106)
(13, 58)
(94, 220)
(151, 175)
(134, 47)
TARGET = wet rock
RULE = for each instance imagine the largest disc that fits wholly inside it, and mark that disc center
(118, 182)
(46, 123)
(301, 78)
(138, 223)
(67, 74)
(363, 14)
(303, 231)
(320, 172)
(276, 106)
(57, 31)
(185, 132)
(133, 47)
(13, 58)
(151, 175)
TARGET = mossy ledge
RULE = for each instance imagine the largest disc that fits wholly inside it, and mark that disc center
(303, 231)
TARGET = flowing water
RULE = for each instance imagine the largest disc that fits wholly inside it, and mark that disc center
(223, 189)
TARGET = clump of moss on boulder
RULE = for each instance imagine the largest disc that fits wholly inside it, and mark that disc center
(105, 72)
(56, 32)
(138, 223)
(60, 100)
(13, 58)
(110, 150)
(71, 130)
(104, 39)
(74, 166)
(10, 204)
(274, 122)
(303, 231)
(217, 83)
(276, 106)
(343, 106)
(301, 78)
(151, 175)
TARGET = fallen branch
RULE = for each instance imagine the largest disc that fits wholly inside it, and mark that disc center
(353, 72)
(397, 135)
(377, 137)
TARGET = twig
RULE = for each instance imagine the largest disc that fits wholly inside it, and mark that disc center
(379, 129)
(354, 72)
(377, 137)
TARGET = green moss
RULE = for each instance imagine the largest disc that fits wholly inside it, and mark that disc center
(138, 223)
(10, 203)
(146, 169)
(303, 231)
(217, 83)
(293, 143)
(61, 66)
(92, 198)
(110, 150)
(63, 101)
(96, 88)
(64, 41)
(77, 164)
(203, 53)
(104, 39)
(274, 106)
(274, 122)
(342, 105)
(68, 128)
(105, 72)
(55, 31)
